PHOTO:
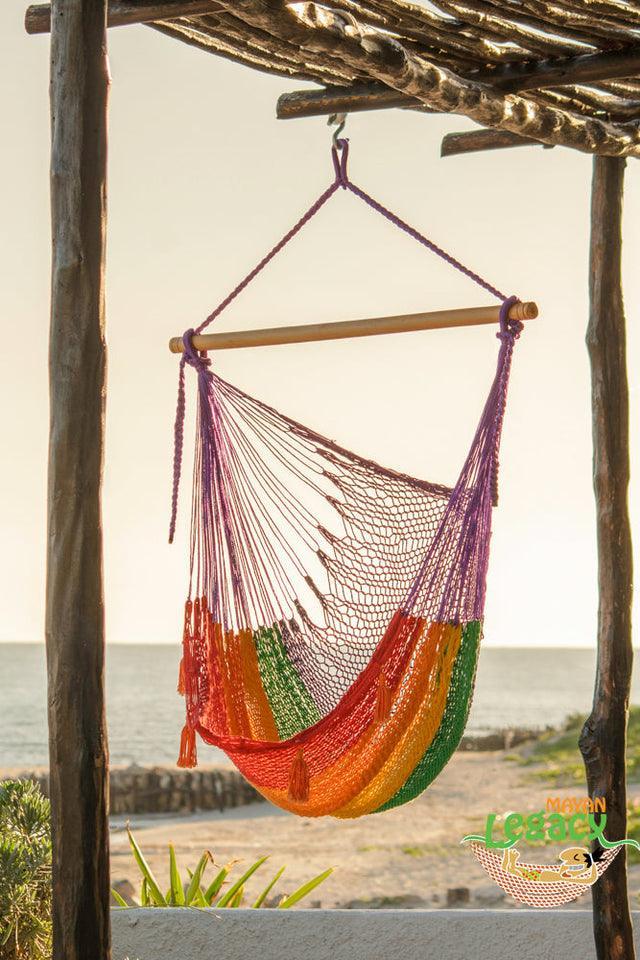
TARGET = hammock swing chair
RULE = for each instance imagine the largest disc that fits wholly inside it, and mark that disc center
(335, 606)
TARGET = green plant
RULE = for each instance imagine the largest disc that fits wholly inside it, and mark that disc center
(194, 893)
(25, 872)
(557, 755)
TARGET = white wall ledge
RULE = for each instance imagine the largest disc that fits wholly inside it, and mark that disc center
(184, 934)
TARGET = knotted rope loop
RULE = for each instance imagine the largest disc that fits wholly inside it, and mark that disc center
(509, 329)
(339, 155)
(201, 363)
(196, 359)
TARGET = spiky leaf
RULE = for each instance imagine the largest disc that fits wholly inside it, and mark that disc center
(304, 890)
(153, 890)
(233, 889)
(176, 898)
(196, 879)
(269, 887)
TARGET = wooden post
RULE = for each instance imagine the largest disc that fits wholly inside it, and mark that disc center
(603, 738)
(74, 603)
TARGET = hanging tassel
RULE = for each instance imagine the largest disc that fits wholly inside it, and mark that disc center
(181, 679)
(197, 619)
(188, 754)
(186, 629)
(383, 699)
(299, 778)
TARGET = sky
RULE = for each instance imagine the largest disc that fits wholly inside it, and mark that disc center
(202, 181)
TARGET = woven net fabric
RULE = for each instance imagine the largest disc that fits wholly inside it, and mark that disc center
(536, 893)
(334, 616)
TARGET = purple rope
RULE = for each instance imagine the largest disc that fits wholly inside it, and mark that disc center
(178, 443)
(200, 363)
(510, 331)
(341, 166)
(339, 154)
(304, 219)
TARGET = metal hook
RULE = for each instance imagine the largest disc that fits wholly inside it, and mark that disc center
(340, 119)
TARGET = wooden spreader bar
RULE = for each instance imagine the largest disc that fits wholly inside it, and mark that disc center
(311, 332)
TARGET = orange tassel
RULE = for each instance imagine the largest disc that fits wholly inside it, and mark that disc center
(186, 630)
(188, 755)
(299, 778)
(383, 699)
(181, 679)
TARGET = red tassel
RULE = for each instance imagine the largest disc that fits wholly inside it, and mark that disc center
(299, 778)
(181, 679)
(197, 619)
(188, 754)
(383, 699)
(186, 630)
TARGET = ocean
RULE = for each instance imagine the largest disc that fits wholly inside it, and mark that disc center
(516, 687)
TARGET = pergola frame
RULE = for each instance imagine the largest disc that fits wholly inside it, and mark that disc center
(477, 58)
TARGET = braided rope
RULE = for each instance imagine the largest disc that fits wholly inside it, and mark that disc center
(304, 219)
(408, 229)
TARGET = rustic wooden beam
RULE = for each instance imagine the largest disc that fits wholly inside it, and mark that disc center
(388, 63)
(603, 738)
(223, 35)
(535, 23)
(74, 623)
(121, 13)
(347, 329)
(473, 141)
(358, 98)
(509, 78)
(570, 71)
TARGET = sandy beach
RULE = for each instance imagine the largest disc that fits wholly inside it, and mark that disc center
(408, 857)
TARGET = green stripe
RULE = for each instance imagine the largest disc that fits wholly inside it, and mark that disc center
(291, 704)
(454, 720)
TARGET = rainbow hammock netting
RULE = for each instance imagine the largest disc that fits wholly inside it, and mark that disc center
(335, 607)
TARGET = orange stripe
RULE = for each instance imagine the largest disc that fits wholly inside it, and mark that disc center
(263, 726)
(230, 670)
